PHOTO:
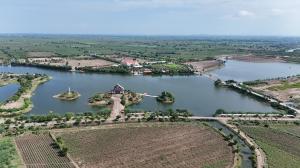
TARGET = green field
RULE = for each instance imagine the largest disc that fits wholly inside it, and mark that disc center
(175, 48)
(3, 55)
(281, 143)
(8, 154)
(285, 86)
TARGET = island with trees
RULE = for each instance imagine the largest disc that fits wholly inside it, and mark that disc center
(130, 98)
(166, 98)
(101, 99)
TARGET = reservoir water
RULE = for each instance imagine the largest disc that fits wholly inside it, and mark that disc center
(195, 93)
(8, 91)
(245, 71)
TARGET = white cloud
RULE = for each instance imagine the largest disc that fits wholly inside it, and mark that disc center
(276, 11)
(245, 13)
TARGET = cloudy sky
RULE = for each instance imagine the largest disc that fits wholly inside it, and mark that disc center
(152, 17)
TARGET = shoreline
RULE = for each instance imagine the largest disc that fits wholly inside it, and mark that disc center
(258, 59)
(23, 98)
(66, 99)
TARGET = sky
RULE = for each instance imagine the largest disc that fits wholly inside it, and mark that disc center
(152, 17)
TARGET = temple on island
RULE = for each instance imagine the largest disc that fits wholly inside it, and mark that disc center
(118, 89)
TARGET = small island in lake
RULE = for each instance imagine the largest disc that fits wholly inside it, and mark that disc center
(166, 98)
(100, 99)
(69, 95)
(130, 98)
(127, 97)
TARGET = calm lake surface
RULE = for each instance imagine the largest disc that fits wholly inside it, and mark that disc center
(8, 91)
(195, 93)
(245, 71)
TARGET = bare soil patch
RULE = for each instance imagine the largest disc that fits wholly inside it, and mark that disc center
(203, 66)
(261, 59)
(40, 151)
(285, 90)
(148, 145)
(40, 54)
(57, 61)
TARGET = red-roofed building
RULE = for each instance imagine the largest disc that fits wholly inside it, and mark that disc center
(131, 62)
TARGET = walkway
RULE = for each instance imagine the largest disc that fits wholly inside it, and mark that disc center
(117, 110)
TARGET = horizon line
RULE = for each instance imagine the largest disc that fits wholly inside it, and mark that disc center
(153, 35)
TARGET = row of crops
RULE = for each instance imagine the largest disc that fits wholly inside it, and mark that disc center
(41, 150)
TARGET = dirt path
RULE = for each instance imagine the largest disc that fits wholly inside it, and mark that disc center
(117, 110)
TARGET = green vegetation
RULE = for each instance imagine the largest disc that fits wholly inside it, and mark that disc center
(256, 114)
(172, 68)
(175, 49)
(78, 119)
(8, 153)
(256, 82)
(281, 145)
(166, 97)
(3, 55)
(60, 143)
(103, 113)
(100, 99)
(285, 85)
(72, 95)
(44, 66)
(218, 82)
(122, 69)
(27, 83)
(130, 98)
(161, 116)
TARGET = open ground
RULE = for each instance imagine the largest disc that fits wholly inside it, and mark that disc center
(148, 145)
(284, 90)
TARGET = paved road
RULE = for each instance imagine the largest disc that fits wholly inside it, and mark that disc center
(118, 109)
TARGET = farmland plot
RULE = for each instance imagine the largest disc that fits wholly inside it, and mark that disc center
(151, 145)
(280, 143)
(39, 151)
